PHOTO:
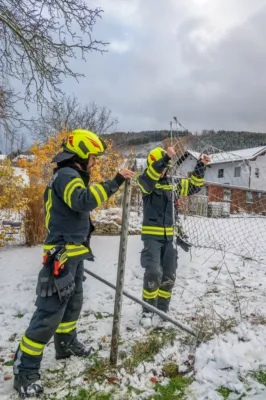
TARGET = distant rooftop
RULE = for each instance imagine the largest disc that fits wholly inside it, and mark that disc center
(235, 155)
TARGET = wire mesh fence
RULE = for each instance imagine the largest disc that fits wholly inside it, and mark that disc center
(229, 213)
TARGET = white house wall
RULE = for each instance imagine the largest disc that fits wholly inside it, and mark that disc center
(211, 173)
(260, 163)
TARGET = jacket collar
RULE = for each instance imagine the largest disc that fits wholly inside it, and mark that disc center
(85, 176)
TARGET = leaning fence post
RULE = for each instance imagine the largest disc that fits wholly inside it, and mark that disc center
(120, 273)
(155, 310)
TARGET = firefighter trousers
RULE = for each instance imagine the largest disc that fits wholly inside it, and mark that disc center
(159, 258)
(52, 317)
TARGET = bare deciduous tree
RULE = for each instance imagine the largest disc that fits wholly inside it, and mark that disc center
(69, 115)
(37, 40)
(11, 121)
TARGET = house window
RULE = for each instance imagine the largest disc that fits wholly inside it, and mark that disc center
(249, 197)
(227, 194)
(220, 173)
(237, 172)
(257, 172)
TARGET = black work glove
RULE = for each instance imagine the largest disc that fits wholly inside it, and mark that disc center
(45, 284)
(55, 276)
(64, 283)
(182, 239)
(183, 244)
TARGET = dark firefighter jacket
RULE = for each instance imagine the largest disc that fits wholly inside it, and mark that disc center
(68, 201)
(157, 198)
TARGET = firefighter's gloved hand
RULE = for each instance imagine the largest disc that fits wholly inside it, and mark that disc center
(65, 284)
(183, 244)
(46, 284)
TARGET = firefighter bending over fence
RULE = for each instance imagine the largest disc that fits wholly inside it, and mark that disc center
(159, 256)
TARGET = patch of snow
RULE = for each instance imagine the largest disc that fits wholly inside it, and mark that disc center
(204, 289)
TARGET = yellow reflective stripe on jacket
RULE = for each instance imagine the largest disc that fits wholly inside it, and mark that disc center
(99, 193)
(30, 347)
(153, 174)
(196, 181)
(159, 231)
(149, 295)
(184, 187)
(142, 188)
(76, 251)
(63, 258)
(165, 187)
(47, 247)
(48, 206)
(169, 232)
(152, 230)
(66, 327)
(72, 249)
(161, 228)
(69, 189)
(164, 294)
(144, 232)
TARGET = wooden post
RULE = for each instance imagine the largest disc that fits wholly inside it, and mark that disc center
(120, 273)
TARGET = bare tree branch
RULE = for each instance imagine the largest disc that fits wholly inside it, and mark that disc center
(69, 115)
(38, 38)
(11, 121)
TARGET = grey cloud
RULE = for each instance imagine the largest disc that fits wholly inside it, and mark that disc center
(166, 71)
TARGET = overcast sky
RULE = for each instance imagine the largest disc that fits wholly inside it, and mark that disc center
(203, 61)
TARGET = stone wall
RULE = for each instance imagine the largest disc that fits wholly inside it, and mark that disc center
(104, 228)
(108, 222)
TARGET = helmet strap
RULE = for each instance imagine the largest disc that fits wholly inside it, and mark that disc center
(83, 162)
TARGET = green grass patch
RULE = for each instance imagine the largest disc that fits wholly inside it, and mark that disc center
(170, 370)
(12, 338)
(9, 363)
(260, 376)
(225, 392)
(99, 315)
(257, 319)
(147, 349)
(90, 395)
(175, 390)
(99, 369)
(19, 315)
(213, 291)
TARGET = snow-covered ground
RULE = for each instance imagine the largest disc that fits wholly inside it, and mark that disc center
(214, 293)
(240, 234)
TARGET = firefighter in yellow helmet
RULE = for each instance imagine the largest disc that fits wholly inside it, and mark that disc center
(159, 257)
(68, 200)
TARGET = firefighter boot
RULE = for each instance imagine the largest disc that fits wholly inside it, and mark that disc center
(146, 319)
(28, 385)
(74, 348)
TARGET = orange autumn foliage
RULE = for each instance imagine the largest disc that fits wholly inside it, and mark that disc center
(40, 171)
